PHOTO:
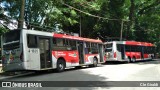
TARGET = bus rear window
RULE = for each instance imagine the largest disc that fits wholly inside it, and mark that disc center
(109, 45)
(108, 49)
(11, 36)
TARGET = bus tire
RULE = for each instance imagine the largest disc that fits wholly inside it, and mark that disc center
(95, 62)
(60, 65)
(133, 59)
(129, 60)
(152, 57)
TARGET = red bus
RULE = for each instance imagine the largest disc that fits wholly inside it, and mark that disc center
(38, 50)
(129, 51)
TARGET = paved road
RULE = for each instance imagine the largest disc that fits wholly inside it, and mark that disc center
(111, 71)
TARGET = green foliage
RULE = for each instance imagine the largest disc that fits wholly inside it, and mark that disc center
(3, 30)
(144, 16)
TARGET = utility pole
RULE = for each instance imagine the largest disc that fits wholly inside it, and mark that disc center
(80, 27)
(21, 17)
(121, 33)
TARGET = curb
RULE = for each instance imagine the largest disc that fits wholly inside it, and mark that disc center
(1, 69)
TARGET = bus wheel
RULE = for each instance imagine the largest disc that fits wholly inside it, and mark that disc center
(95, 62)
(133, 59)
(129, 60)
(60, 65)
(152, 57)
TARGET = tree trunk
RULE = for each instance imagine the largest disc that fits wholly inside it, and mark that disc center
(131, 18)
(21, 17)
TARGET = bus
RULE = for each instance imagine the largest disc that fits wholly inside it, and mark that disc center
(38, 50)
(129, 51)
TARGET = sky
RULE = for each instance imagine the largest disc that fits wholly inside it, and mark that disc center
(13, 23)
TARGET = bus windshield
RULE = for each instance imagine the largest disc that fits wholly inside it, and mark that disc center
(11, 36)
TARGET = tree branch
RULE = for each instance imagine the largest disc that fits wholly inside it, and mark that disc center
(142, 11)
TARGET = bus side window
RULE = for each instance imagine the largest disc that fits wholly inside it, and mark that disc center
(31, 41)
(133, 48)
(119, 47)
(67, 42)
(145, 49)
(127, 48)
(139, 48)
(59, 42)
(72, 44)
(94, 48)
(54, 41)
(87, 48)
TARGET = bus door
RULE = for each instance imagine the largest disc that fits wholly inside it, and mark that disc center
(81, 52)
(32, 52)
(45, 53)
(122, 51)
(100, 48)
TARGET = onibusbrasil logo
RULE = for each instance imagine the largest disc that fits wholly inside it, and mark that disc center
(21, 84)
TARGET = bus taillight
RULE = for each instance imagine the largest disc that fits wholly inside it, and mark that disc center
(21, 56)
(115, 54)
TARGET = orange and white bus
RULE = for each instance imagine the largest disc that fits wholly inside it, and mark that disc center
(38, 50)
(129, 51)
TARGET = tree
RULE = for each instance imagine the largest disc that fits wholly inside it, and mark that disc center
(4, 19)
(97, 17)
(21, 16)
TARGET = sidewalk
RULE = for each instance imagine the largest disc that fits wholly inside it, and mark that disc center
(0, 68)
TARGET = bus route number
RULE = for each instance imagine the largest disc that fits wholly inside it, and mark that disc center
(33, 51)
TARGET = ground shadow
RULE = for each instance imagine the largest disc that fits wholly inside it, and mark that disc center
(47, 72)
(154, 61)
(68, 75)
(113, 63)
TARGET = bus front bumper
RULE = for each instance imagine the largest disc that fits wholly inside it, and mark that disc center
(12, 67)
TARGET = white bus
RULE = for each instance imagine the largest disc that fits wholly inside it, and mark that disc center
(129, 51)
(38, 50)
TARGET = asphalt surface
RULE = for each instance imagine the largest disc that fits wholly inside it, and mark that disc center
(110, 71)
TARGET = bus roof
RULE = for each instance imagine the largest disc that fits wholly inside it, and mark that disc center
(76, 38)
(138, 43)
(132, 43)
(52, 34)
